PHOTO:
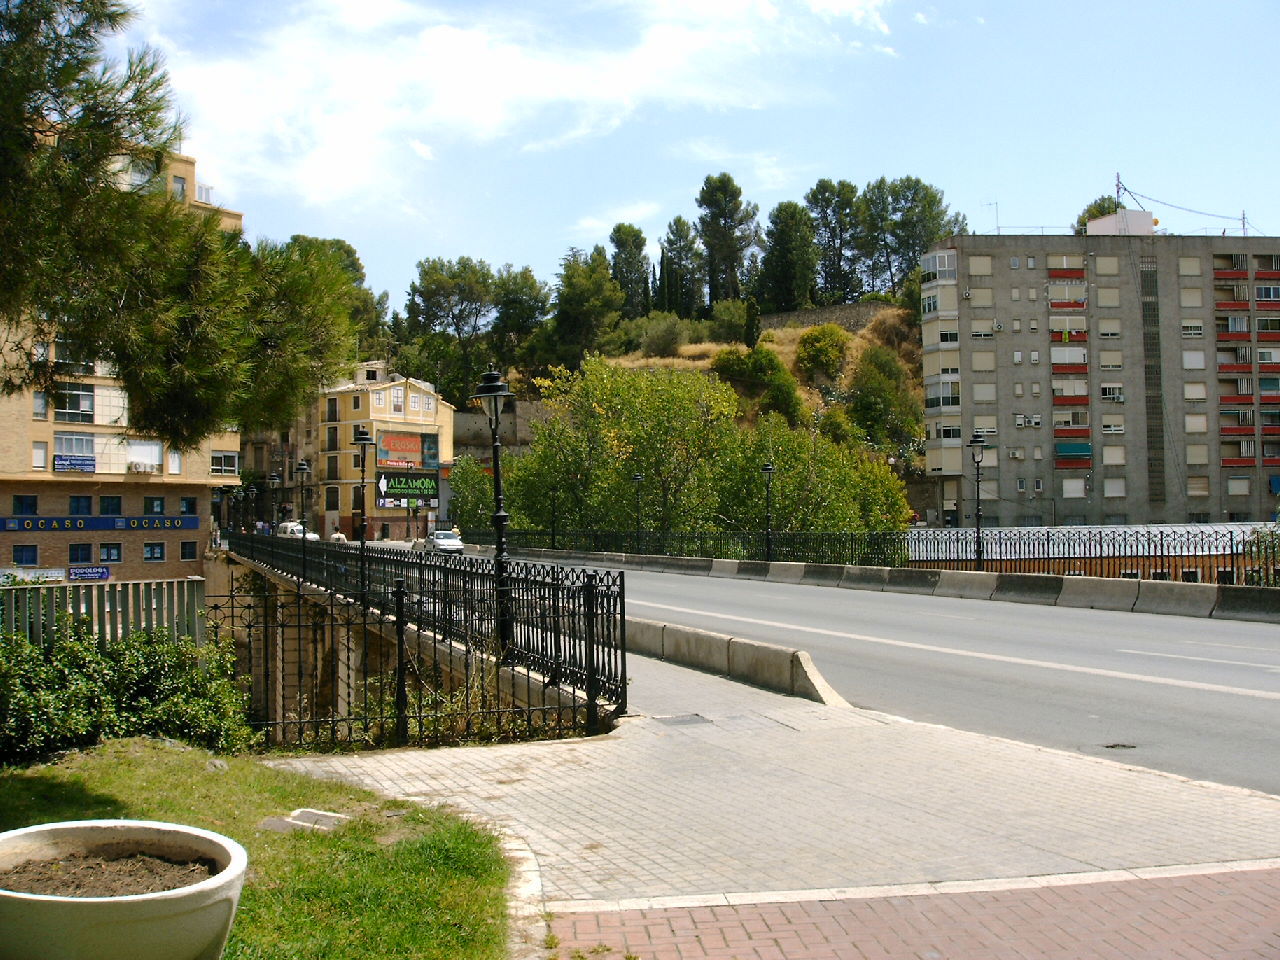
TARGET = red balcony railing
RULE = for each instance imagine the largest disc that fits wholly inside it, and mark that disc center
(1235, 368)
(1073, 401)
(1071, 432)
(1070, 368)
(1239, 462)
(1075, 463)
(1074, 304)
(1233, 335)
(1068, 336)
(1237, 430)
(1231, 274)
(1231, 304)
(1066, 273)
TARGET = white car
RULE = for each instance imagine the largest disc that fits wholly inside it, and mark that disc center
(445, 541)
(293, 530)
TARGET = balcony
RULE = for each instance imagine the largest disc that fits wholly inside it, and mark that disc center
(1270, 398)
(1241, 305)
(1072, 401)
(1080, 463)
(1269, 336)
(1235, 368)
(1233, 335)
(1068, 336)
(1245, 399)
(1239, 462)
(1076, 304)
(1070, 368)
(1071, 432)
(1269, 368)
(1238, 430)
(1066, 273)
(1268, 306)
(1266, 275)
(1271, 461)
(1231, 274)
(1269, 430)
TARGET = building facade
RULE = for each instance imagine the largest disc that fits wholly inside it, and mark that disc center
(1120, 377)
(83, 498)
(406, 469)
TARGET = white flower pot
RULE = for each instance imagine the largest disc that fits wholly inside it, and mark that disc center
(189, 923)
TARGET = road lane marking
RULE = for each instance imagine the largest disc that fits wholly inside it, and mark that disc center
(994, 657)
(1178, 656)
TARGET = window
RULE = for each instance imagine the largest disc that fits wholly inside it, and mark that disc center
(379, 399)
(1196, 423)
(175, 461)
(76, 444)
(1197, 454)
(80, 506)
(1197, 486)
(1039, 484)
(152, 551)
(187, 550)
(331, 498)
(1035, 356)
(1018, 389)
(224, 463)
(1017, 356)
(1110, 360)
(1113, 487)
(371, 375)
(984, 393)
(188, 506)
(1268, 293)
(1015, 294)
(1072, 355)
(945, 394)
(415, 401)
(1194, 392)
(1108, 297)
(153, 506)
(1106, 266)
(1015, 325)
(1113, 392)
(938, 266)
(1022, 484)
(981, 329)
(74, 403)
(1192, 359)
(110, 553)
(1013, 263)
(981, 297)
(1237, 486)
(25, 555)
(144, 455)
(1191, 297)
(1113, 423)
(1031, 263)
(355, 401)
(39, 455)
(984, 425)
(25, 504)
(180, 187)
(1113, 455)
(80, 553)
(1070, 388)
(1269, 384)
(929, 304)
(982, 360)
(1035, 388)
(1188, 266)
(948, 336)
(39, 405)
(1192, 329)
(1073, 488)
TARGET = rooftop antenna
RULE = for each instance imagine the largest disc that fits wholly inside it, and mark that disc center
(996, 204)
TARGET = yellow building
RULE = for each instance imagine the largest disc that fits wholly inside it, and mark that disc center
(81, 497)
(405, 468)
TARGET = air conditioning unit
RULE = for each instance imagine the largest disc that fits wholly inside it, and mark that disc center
(997, 326)
(137, 466)
(1015, 454)
(966, 294)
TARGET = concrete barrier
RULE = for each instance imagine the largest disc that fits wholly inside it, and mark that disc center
(823, 574)
(864, 578)
(724, 568)
(695, 566)
(1248, 603)
(1178, 599)
(911, 580)
(761, 664)
(966, 584)
(1098, 593)
(785, 572)
(808, 683)
(753, 570)
(1027, 588)
(696, 648)
(645, 637)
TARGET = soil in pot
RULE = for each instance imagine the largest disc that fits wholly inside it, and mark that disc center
(105, 873)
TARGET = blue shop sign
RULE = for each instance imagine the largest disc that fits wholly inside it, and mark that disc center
(74, 463)
(77, 524)
(89, 573)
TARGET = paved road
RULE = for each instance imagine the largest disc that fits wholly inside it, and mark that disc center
(1197, 697)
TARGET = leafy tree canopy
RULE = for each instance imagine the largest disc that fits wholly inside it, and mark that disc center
(728, 229)
(1101, 207)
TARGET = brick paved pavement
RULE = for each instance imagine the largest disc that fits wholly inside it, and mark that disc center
(731, 822)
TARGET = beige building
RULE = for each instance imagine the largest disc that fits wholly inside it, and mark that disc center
(82, 498)
(1121, 377)
(406, 469)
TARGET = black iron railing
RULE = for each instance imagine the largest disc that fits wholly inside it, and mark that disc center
(1226, 553)
(415, 656)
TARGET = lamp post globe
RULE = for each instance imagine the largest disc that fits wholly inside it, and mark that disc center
(977, 446)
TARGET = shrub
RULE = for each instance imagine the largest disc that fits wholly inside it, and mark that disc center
(74, 690)
(822, 350)
(663, 337)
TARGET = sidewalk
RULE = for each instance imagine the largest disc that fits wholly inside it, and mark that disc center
(724, 821)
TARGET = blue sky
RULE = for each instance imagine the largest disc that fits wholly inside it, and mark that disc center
(512, 131)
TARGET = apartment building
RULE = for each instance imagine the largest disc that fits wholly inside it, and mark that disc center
(82, 498)
(406, 468)
(1121, 377)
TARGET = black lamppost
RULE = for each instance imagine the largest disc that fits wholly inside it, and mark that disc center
(554, 504)
(977, 445)
(767, 470)
(273, 483)
(491, 394)
(253, 507)
(364, 441)
(302, 471)
(637, 479)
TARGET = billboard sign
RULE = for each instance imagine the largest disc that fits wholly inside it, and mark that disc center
(398, 448)
(405, 490)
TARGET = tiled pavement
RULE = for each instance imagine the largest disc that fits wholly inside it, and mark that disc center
(728, 822)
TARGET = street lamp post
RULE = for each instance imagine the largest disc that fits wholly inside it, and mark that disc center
(253, 507)
(554, 506)
(303, 471)
(364, 441)
(637, 479)
(767, 470)
(273, 482)
(977, 445)
(491, 394)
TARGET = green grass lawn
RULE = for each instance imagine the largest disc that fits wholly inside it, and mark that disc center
(397, 881)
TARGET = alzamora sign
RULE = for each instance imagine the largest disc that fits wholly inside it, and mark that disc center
(54, 524)
(406, 489)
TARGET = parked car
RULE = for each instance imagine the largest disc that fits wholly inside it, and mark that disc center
(293, 530)
(445, 541)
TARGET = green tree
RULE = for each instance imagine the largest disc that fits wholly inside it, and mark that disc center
(759, 376)
(588, 301)
(1101, 207)
(679, 288)
(521, 303)
(202, 330)
(821, 351)
(368, 312)
(630, 269)
(729, 321)
(898, 221)
(834, 209)
(881, 403)
(727, 228)
(443, 329)
(788, 273)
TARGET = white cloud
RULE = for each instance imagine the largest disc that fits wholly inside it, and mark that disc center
(325, 98)
(766, 171)
(600, 224)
